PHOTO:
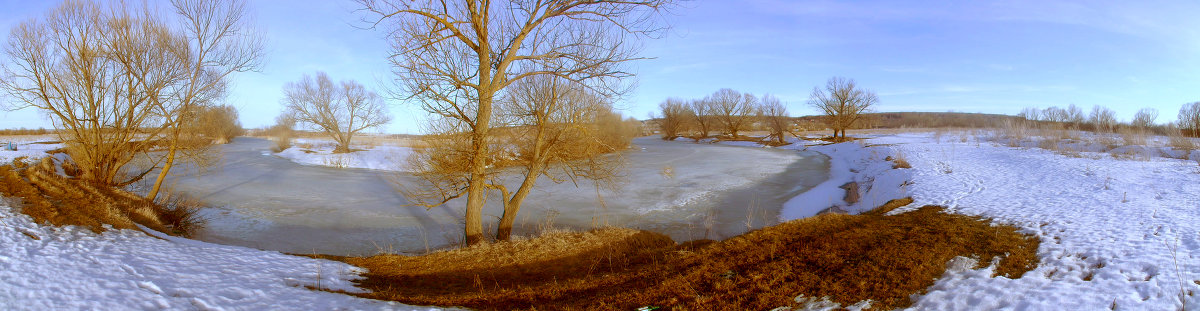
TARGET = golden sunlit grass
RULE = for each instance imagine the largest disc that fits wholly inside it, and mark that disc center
(48, 197)
(848, 258)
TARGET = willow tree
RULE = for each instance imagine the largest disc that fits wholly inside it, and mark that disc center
(98, 74)
(843, 102)
(454, 58)
(340, 110)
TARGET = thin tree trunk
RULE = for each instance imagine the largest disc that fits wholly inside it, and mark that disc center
(162, 174)
(504, 230)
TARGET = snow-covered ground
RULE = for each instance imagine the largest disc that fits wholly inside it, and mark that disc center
(320, 152)
(32, 146)
(1117, 232)
(47, 268)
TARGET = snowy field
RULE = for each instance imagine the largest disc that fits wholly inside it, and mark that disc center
(32, 146)
(309, 151)
(1117, 232)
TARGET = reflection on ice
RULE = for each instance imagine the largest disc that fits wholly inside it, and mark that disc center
(688, 191)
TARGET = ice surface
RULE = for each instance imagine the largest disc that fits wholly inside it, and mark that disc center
(686, 190)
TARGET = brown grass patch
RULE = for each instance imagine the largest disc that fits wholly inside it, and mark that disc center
(847, 258)
(53, 199)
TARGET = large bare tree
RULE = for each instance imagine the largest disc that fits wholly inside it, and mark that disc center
(732, 109)
(455, 58)
(98, 74)
(843, 103)
(675, 117)
(339, 110)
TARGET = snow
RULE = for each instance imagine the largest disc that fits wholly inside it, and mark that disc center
(27, 146)
(71, 268)
(1113, 227)
(383, 157)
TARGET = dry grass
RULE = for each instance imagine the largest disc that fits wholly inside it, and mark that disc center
(898, 161)
(848, 258)
(51, 198)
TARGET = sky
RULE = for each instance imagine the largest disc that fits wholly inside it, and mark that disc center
(963, 56)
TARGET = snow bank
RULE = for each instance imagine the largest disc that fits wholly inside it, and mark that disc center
(388, 158)
(47, 268)
(849, 162)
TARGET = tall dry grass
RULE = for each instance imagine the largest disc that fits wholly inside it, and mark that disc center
(58, 200)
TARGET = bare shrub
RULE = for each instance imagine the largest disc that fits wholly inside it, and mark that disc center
(1178, 140)
(1132, 136)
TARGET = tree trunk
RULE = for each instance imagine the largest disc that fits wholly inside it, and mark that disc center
(473, 231)
(162, 175)
(504, 230)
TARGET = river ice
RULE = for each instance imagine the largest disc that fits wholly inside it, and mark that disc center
(688, 191)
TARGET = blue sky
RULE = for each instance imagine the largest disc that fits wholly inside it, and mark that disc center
(965, 56)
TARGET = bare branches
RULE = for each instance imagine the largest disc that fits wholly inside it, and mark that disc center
(455, 58)
(340, 110)
(732, 109)
(676, 116)
(842, 102)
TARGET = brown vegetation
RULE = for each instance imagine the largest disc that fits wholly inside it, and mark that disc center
(57, 200)
(847, 258)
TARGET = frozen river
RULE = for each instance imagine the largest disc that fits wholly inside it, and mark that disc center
(711, 191)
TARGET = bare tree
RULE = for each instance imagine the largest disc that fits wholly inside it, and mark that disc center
(775, 116)
(843, 103)
(1103, 119)
(338, 110)
(702, 116)
(557, 126)
(219, 42)
(1144, 118)
(675, 117)
(1030, 114)
(455, 58)
(1053, 114)
(732, 109)
(1189, 119)
(1075, 116)
(84, 68)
